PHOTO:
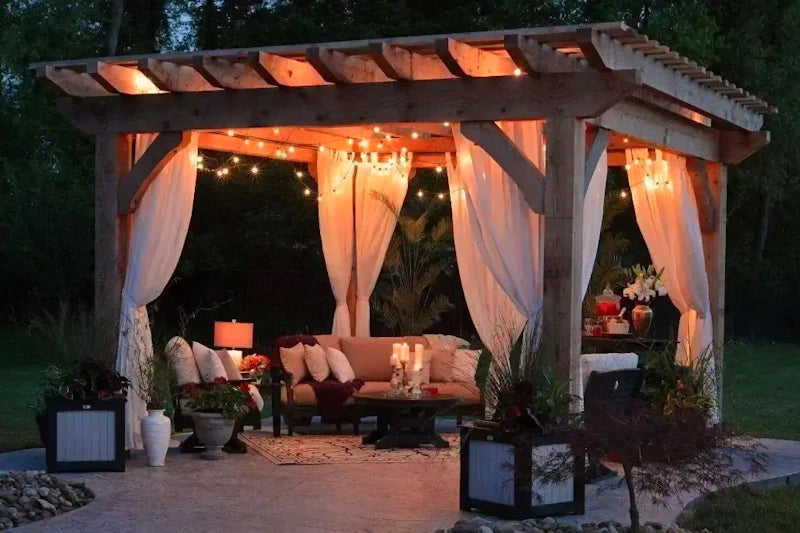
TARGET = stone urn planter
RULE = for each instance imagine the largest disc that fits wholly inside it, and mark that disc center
(213, 430)
(156, 430)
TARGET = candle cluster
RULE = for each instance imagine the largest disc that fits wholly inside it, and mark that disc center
(401, 359)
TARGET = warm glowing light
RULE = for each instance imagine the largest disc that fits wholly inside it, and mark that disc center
(321, 148)
(350, 142)
(439, 169)
(261, 144)
(199, 158)
(307, 191)
(236, 159)
(363, 143)
(291, 149)
(623, 194)
(230, 133)
(625, 139)
(225, 171)
(376, 129)
(445, 124)
(254, 169)
(276, 130)
(627, 167)
(200, 166)
(420, 194)
(380, 145)
(414, 135)
(219, 173)
(299, 174)
(319, 198)
(517, 72)
(441, 196)
(247, 141)
(388, 137)
(403, 149)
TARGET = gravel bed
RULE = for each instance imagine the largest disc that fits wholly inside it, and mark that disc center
(30, 496)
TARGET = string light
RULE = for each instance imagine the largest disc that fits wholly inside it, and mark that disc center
(623, 194)
(414, 135)
(388, 137)
(380, 145)
(254, 170)
(376, 129)
(439, 170)
(199, 158)
(261, 144)
(225, 171)
(625, 140)
(321, 148)
(307, 191)
(230, 133)
(420, 194)
(200, 166)
(299, 174)
(517, 72)
(219, 173)
(363, 143)
(276, 130)
(350, 142)
(236, 159)
(247, 141)
(440, 196)
(446, 124)
(291, 149)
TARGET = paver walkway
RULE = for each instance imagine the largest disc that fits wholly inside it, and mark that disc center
(248, 492)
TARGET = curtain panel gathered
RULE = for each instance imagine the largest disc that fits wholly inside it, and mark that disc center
(666, 211)
(159, 230)
(335, 173)
(378, 186)
(353, 214)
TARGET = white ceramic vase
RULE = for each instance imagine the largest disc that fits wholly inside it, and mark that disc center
(213, 430)
(156, 432)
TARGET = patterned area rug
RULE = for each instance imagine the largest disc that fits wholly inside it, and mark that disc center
(340, 449)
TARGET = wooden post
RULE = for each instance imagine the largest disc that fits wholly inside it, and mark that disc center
(563, 245)
(714, 252)
(113, 157)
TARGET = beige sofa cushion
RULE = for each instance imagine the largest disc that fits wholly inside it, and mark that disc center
(208, 363)
(329, 341)
(231, 368)
(182, 360)
(369, 356)
(293, 361)
(339, 365)
(304, 394)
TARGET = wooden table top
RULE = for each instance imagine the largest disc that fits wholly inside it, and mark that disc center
(387, 400)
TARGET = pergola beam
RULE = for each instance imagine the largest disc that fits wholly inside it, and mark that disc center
(464, 60)
(336, 67)
(283, 71)
(614, 55)
(117, 79)
(706, 209)
(736, 146)
(228, 74)
(66, 82)
(169, 76)
(160, 152)
(511, 159)
(401, 64)
(586, 94)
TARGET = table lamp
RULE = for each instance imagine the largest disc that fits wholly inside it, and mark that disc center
(233, 335)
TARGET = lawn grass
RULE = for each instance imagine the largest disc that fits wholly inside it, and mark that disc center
(761, 386)
(19, 377)
(744, 510)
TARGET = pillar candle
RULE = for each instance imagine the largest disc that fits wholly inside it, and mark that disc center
(418, 351)
(394, 360)
(396, 349)
(416, 377)
(404, 356)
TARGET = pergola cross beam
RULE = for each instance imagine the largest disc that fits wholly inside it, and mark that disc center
(511, 159)
(160, 152)
(707, 211)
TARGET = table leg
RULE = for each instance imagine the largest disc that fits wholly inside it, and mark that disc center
(379, 432)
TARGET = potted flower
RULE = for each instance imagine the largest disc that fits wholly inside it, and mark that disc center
(530, 420)
(153, 386)
(257, 366)
(646, 284)
(216, 406)
(78, 407)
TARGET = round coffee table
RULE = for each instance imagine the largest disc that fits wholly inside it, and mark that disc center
(404, 421)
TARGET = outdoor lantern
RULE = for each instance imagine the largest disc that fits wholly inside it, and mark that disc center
(233, 335)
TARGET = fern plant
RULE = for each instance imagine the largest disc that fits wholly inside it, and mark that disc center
(419, 252)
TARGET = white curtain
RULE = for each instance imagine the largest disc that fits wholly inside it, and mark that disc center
(666, 212)
(335, 175)
(496, 318)
(376, 185)
(159, 230)
(593, 203)
(508, 233)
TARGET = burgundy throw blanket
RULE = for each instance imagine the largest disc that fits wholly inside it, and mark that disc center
(332, 395)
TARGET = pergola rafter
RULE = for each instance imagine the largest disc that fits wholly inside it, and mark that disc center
(600, 87)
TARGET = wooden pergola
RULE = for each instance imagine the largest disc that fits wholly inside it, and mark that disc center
(601, 86)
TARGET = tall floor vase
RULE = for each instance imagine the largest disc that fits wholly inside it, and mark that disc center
(156, 431)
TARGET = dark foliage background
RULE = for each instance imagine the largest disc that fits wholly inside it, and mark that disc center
(253, 245)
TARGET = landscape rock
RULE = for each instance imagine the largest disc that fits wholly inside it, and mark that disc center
(30, 496)
(549, 525)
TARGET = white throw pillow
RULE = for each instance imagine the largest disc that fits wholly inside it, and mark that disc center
(316, 362)
(465, 363)
(182, 361)
(293, 361)
(339, 365)
(255, 394)
(208, 363)
(231, 368)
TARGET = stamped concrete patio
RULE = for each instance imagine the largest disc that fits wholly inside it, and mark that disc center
(249, 492)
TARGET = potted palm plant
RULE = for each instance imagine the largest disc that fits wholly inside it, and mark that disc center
(530, 421)
(216, 406)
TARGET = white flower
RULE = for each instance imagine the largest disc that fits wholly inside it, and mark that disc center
(661, 289)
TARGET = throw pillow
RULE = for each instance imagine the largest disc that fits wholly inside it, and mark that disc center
(182, 361)
(441, 364)
(339, 365)
(465, 363)
(316, 361)
(427, 357)
(231, 368)
(293, 361)
(208, 363)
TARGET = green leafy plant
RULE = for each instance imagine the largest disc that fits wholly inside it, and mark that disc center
(674, 387)
(407, 302)
(219, 397)
(85, 381)
(155, 378)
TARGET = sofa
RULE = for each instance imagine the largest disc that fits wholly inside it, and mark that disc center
(295, 400)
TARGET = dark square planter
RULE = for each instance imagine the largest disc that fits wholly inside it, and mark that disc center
(85, 436)
(496, 475)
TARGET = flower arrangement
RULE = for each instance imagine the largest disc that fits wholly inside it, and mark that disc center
(221, 397)
(646, 283)
(257, 364)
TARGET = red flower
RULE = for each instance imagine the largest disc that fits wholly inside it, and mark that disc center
(514, 411)
(103, 394)
(189, 387)
(252, 404)
(244, 387)
(220, 379)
